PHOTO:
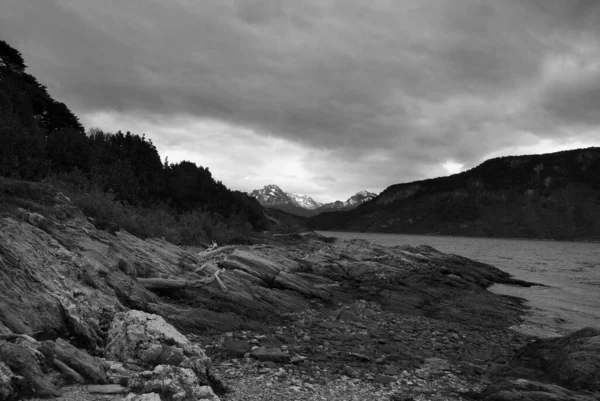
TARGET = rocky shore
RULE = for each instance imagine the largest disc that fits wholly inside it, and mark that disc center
(88, 314)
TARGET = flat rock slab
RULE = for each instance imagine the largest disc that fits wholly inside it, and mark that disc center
(142, 397)
(520, 389)
(436, 364)
(332, 325)
(236, 348)
(107, 389)
(270, 354)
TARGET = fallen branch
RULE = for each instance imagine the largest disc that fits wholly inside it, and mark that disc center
(205, 255)
(221, 284)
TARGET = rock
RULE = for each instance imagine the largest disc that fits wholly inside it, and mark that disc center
(116, 373)
(6, 376)
(572, 361)
(142, 397)
(148, 339)
(252, 263)
(297, 283)
(70, 375)
(4, 331)
(384, 379)
(173, 383)
(436, 364)
(82, 318)
(348, 316)
(107, 389)
(143, 337)
(520, 389)
(89, 367)
(23, 361)
(351, 372)
(270, 354)
(332, 325)
(33, 218)
(235, 348)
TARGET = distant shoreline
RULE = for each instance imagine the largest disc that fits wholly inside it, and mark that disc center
(578, 240)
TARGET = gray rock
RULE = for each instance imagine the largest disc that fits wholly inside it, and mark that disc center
(107, 389)
(6, 376)
(173, 383)
(252, 263)
(521, 389)
(436, 364)
(572, 361)
(351, 372)
(137, 336)
(235, 348)
(270, 354)
(296, 283)
(142, 397)
(24, 362)
(384, 379)
(89, 367)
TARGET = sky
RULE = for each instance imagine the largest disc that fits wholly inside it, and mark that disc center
(322, 97)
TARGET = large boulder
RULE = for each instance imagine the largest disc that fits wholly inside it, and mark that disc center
(572, 361)
(147, 339)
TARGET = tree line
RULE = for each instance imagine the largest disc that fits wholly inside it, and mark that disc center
(42, 139)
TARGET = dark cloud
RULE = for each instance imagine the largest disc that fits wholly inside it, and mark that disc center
(576, 103)
(399, 86)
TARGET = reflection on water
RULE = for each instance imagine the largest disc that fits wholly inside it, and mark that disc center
(569, 271)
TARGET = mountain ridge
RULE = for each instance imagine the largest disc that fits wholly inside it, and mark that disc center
(273, 196)
(548, 196)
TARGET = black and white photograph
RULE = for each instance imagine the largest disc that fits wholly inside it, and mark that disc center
(300, 200)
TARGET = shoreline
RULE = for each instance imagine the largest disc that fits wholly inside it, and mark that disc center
(290, 317)
(592, 240)
(560, 303)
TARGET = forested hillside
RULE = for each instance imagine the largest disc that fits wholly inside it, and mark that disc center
(119, 178)
(552, 196)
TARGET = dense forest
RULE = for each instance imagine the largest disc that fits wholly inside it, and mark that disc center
(116, 178)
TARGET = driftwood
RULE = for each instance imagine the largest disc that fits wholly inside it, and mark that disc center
(212, 252)
(12, 337)
(166, 283)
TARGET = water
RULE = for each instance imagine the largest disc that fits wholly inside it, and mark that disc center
(569, 271)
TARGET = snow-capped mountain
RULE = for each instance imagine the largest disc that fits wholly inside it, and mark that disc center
(304, 205)
(351, 203)
(273, 196)
(305, 201)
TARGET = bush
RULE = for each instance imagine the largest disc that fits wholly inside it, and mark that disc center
(189, 228)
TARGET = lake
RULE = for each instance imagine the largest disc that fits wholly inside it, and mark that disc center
(569, 271)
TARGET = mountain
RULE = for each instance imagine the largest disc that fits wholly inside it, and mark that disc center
(272, 196)
(352, 202)
(549, 196)
(305, 201)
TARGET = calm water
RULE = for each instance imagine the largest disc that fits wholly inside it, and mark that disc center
(570, 272)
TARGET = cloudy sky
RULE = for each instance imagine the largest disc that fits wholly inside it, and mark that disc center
(323, 97)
